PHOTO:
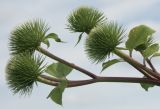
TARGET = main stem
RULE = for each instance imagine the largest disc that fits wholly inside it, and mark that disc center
(99, 79)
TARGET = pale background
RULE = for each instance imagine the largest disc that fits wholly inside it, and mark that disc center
(96, 96)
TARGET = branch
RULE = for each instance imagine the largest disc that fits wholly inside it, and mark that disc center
(54, 81)
(101, 79)
(43, 51)
(136, 64)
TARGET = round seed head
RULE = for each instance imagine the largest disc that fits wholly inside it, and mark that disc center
(27, 37)
(102, 41)
(22, 71)
(84, 19)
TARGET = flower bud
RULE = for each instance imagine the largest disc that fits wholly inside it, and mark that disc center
(102, 40)
(84, 19)
(22, 72)
(27, 37)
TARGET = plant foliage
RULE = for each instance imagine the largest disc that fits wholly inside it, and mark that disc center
(57, 93)
(146, 86)
(151, 50)
(58, 70)
(139, 36)
(110, 63)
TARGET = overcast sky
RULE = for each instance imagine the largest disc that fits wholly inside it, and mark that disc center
(128, 13)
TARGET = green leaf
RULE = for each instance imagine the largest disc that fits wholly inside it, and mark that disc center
(46, 41)
(57, 93)
(138, 35)
(79, 38)
(156, 54)
(150, 50)
(53, 36)
(110, 62)
(58, 70)
(146, 86)
(143, 46)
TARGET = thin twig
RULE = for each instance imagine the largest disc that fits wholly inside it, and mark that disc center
(151, 65)
(144, 62)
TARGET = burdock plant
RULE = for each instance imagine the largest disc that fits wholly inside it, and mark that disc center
(103, 38)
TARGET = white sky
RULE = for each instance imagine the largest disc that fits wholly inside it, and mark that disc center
(101, 95)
